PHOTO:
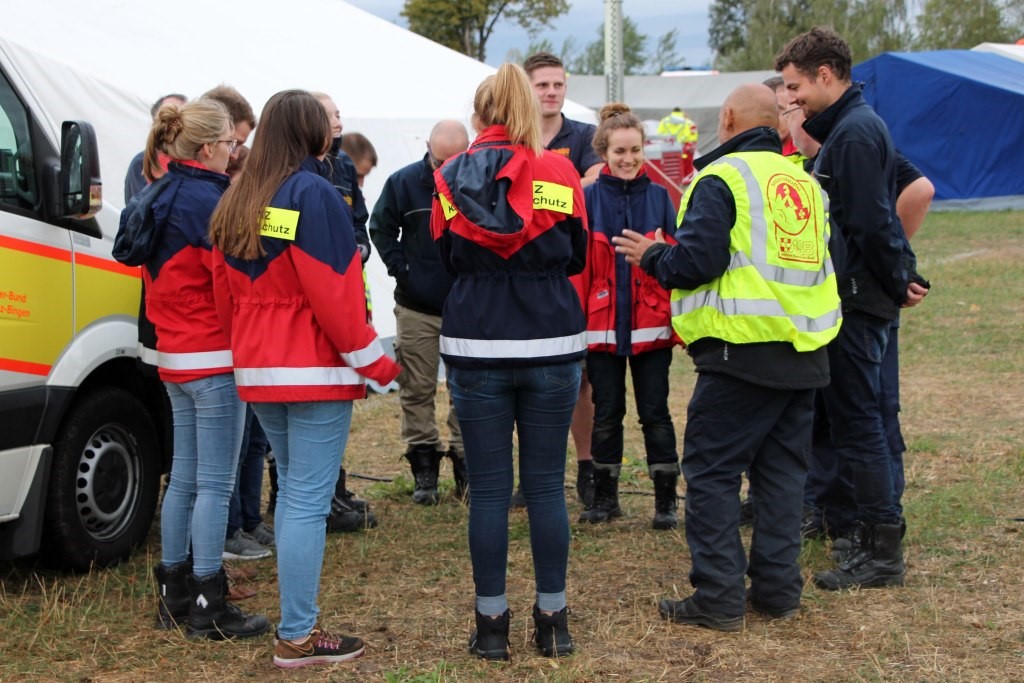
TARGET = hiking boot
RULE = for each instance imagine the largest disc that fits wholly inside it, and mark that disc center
(490, 639)
(686, 612)
(459, 473)
(319, 647)
(665, 501)
(875, 562)
(844, 546)
(551, 632)
(425, 462)
(605, 507)
(211, 616)
(172, 594)
(518, 500)
(348, 513)
(585, 482)
(272, 473)
(263, 534)
(242, 546)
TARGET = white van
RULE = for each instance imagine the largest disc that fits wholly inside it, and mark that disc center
(84, 433)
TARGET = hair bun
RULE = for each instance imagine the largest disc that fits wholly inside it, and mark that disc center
(613, 109)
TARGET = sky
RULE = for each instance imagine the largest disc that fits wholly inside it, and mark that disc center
(653, 18)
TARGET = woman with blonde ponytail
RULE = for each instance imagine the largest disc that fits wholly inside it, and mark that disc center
(194, 361)
(512, 228)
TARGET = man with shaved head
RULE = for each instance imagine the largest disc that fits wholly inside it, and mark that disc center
(754, 297)
(400, 229)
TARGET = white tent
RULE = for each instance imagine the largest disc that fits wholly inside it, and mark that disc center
(1002, 49)
(106, 61)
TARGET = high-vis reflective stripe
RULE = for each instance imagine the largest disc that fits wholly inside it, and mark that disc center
(514, 348)
(293, 377)
(754, 307)
(147, 355)
(642, 336)
(780, 284)
(363, 357)
(200, 360)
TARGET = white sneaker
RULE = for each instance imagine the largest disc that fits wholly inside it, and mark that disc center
(242, 546)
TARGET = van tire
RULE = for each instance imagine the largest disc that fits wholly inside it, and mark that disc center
(104, 481)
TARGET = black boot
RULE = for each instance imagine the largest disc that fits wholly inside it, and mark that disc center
(172, 594)
(585, 482)
(459, 473)
(551, 632)
(665, 500)
(425, 462)
(490, 639)
(606, 496)
(348, 513)
(211, 616)
(272, 502)
(876, 561)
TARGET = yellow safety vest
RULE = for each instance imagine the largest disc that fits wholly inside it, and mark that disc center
(780, 285)
(678, 126)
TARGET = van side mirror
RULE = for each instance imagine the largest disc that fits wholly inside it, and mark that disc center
(81, 189)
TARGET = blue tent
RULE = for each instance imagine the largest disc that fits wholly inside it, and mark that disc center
(959, 116)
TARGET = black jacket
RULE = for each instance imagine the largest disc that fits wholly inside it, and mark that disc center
(400, 229)
(857, 167)
(702, 254)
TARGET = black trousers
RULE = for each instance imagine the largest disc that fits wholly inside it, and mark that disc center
(607, 375)
(735, 427)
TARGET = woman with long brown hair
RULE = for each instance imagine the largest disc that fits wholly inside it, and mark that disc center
(289, 289)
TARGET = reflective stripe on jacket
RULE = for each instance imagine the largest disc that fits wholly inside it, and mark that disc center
(780, 285)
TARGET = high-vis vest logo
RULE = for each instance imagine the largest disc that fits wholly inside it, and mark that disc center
(790, 205)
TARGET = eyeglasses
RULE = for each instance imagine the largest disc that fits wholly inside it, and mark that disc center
(232, 144)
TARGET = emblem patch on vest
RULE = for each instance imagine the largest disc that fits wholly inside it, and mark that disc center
(791, 205)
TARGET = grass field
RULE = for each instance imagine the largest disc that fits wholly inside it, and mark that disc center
(406, 586)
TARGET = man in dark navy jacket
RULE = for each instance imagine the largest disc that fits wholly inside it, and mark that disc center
(400, 228)
(876, 275)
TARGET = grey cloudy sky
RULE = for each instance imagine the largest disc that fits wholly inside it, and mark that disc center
(653, 17)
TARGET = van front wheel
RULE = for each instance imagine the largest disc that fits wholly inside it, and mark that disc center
(104, 481)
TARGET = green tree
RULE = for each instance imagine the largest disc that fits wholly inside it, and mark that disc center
(665, 54)
(961, 24)
(467, 25)
(746, 34)
(634, 46)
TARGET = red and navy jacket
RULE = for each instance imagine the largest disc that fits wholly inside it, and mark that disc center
(512, 228)
(628, 312)
(191, 343)
(296, 317)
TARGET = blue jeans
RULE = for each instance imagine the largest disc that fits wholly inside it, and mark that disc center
(308, 440)
(537, 402)
(244, 512)
(607, 375)
(208, 421)
(853, 402)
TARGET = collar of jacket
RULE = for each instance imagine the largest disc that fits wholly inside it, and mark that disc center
(427, 172)
(492, 136)
(194, 169)
(612, 182)
(821, 125)
(314, 165)
(760, 139)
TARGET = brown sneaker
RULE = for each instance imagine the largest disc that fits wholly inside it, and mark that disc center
(319, 647)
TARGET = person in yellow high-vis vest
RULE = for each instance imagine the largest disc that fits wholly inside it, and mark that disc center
(754, 297)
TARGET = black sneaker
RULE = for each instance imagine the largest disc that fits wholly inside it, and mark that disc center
(551, 633)
(747, 512)
(686, 612)
(319, 647)
(490, 639)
